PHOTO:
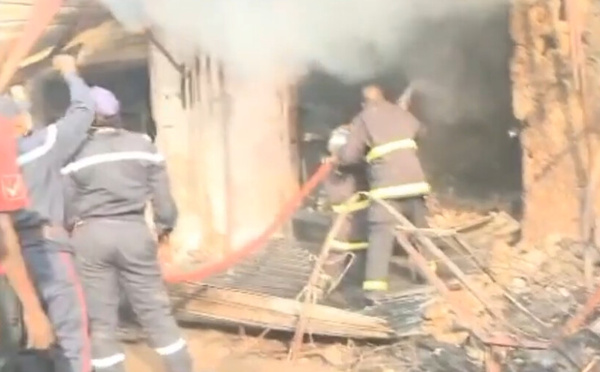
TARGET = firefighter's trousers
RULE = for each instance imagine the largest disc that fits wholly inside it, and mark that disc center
(10, 332)
(382, 238)
(114, 254)
(53, 271)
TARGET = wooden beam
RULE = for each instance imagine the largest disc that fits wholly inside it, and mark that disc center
(42, 14)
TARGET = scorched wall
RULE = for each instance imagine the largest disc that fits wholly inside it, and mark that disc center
(557, 138)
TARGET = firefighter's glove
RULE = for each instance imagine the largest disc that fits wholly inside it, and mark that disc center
(65, 64)
(338, 139)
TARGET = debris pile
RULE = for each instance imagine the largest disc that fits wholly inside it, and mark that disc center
(491, 303)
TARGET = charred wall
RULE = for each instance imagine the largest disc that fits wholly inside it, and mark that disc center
(460, 67)
(558, 138)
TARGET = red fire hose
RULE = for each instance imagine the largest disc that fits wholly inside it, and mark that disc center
(252, 246)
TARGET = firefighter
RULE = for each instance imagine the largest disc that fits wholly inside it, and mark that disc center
(108, 185)
(341, 188)
(13, 197)
(383, 134)
(42, 153)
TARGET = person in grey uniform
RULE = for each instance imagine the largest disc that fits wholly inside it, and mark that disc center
(42, 154)
(109, 183)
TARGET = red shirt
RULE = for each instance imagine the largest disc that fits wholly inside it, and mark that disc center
(13, 192)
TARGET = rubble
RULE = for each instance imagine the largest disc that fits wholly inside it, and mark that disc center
(518, 301)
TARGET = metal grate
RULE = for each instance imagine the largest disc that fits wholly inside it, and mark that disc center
(280, 269)
(405, 311)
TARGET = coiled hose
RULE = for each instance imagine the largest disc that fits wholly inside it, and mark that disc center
(286, 212)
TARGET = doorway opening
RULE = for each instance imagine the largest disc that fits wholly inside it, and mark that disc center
(459, 67)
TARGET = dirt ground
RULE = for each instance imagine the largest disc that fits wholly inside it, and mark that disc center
(220, 351)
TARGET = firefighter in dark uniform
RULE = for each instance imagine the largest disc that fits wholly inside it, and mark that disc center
(108, 185)
(42, 153)
(342, 187)
(384, 135)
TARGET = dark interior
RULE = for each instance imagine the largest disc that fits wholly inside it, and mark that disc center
(129, 81)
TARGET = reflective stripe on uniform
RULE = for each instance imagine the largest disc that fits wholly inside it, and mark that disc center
(341, 246)
(382, 150)
(111, 157)
(351, 206)
(375, 285)
(41, 150)
(401, 191)
(171, 348)
(108, 361)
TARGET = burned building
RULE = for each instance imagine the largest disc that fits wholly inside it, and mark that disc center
(498, 86)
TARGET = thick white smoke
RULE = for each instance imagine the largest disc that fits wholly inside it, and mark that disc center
(352, 39)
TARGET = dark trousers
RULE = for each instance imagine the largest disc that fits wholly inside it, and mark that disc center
(10, 327)
(382, 237)
(54, 275)
(118, 254)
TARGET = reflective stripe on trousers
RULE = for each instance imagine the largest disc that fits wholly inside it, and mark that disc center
(387, 148)
(351, 205)
(108, 362)
(375, 285)
(113, 360)
(342, 246)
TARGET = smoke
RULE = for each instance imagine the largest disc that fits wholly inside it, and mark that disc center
(351, 39)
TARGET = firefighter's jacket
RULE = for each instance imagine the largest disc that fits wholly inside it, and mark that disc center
(341, 188)
(114, 175)
(384, 134)
(44, 152)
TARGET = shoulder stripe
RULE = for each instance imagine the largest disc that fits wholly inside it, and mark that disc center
(41, 150)
(109, 158)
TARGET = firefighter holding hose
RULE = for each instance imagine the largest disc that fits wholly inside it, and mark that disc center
(42, 153)
(383, 134)
(341, 187)
(108, 184)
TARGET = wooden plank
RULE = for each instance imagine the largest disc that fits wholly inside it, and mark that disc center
(281, 314)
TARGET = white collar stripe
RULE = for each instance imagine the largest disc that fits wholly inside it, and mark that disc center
(111, 157)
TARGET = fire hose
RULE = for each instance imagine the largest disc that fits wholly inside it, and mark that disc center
(254, 245)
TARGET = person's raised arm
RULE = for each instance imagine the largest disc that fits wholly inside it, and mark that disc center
(72, 129)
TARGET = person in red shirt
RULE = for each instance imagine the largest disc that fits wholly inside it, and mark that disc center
(13, 197)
